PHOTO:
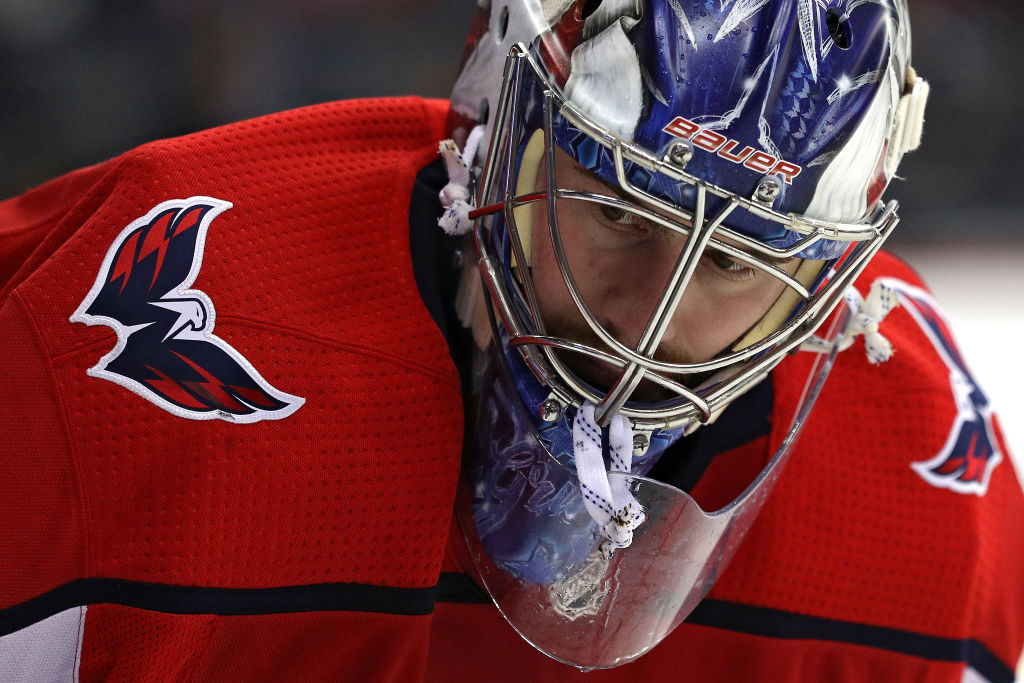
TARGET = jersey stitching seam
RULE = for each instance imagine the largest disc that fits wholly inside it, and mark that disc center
(351, 347)
(79, 484)
(82, 611)
(22, 274)
(398, 210)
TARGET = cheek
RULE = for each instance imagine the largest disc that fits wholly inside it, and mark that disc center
(547, 277)
(711, 321)
(585, 265)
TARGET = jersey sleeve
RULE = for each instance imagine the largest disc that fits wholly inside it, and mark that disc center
(898, 516)
(162, 514)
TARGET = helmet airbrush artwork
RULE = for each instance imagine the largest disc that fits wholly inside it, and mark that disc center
(674, 196)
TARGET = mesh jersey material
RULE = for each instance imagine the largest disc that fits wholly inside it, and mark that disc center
(308, 548)
(854, 563)
(311, 277)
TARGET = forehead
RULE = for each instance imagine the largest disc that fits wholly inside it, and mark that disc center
(572, 175)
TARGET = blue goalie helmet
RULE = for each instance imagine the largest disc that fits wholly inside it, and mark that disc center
(654, 164)
(674, 195)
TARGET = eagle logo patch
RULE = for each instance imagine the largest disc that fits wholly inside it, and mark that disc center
(972, 450)
(166, 350)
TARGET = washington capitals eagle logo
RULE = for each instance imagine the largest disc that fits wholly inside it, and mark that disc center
(972, 450)
(166, 351)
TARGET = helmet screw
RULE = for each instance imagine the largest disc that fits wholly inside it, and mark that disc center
(679, 154)
(768, 190)
(550, 410)
(640, 444)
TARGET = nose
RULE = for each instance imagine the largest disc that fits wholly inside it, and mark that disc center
(628, 300)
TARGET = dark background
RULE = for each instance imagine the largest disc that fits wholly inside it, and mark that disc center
(82, 80)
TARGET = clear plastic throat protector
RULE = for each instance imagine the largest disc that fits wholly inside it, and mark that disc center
(540, 555)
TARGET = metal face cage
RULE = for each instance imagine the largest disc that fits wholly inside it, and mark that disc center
(697, 390)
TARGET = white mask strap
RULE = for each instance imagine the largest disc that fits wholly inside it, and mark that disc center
(610, 504)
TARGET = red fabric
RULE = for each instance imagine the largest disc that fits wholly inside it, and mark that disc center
(691, 653)
(311, 278)
(304, 286)
(125, 644)
(131, 645)
(26, 220)
(42, 527)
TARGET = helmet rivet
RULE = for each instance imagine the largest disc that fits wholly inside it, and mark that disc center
(550, 410)
(679, 154)
(640, 444)
(768, 190)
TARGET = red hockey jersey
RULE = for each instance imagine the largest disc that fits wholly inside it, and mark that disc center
(231, 439)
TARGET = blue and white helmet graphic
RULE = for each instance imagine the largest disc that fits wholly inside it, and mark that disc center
(766, 130)
(675, 195)
(803, 91)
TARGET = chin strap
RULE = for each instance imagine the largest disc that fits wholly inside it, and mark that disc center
(455, 196)
(865, 317)
(609, 502)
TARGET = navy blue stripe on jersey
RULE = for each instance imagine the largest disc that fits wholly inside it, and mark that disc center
(460, 588)
(773, 623)
(222, 601)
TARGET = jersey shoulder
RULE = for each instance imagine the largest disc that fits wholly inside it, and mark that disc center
(231, 302)
(300, 157)
(927, 383)
(899, 508)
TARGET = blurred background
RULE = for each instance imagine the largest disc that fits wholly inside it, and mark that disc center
(82, 80)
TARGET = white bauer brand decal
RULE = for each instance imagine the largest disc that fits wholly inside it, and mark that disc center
(712, 141)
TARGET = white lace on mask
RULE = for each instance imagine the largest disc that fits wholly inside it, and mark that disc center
(609, 501)
(865, 317)
(455, 196)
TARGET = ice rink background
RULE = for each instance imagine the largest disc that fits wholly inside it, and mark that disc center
(82, 80)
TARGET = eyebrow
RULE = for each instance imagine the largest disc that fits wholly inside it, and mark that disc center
(592, 175)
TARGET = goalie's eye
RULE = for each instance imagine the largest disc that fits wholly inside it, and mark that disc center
(726, 266)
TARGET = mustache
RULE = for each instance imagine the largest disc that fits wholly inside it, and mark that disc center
(597, 372)
(574, 328)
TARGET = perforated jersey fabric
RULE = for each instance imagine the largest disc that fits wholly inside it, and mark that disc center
(857, 568)
(109, 499)
(137, 544)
